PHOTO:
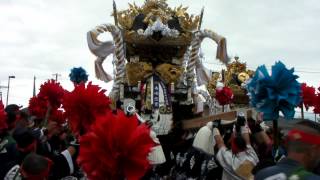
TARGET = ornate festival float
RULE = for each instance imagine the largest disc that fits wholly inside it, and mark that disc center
(163, 94)
(159, 75)
(158, 70)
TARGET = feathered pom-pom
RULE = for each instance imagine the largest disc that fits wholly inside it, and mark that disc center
(78, 75)
(3, 117)
(58, 116)
(308, 95)
(224, 95)
(53, 92)
(316, 109)
(83, 104)
(116, 148)
(278, 92)
(316, 102)
(38, 107)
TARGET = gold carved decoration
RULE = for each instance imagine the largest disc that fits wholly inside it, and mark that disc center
(154, 9)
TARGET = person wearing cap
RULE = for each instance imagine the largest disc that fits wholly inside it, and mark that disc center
(238, 162)
(303, 143)
(316, 126)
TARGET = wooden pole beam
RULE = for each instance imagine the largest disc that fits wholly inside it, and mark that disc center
(199, 122)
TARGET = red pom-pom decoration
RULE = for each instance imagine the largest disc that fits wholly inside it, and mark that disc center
(3, 117)
(38, 107)
(53, 92)
(316, 101)
(224, 95)
(116, 148)
(83, 104)
(58, 116)
(308, 95)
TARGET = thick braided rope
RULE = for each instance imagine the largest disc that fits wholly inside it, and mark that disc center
(195, 44)
(194, 55)
(120, 60)
(209, 100)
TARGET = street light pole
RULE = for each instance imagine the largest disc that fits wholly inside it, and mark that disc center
(2, 87)
(10, 77)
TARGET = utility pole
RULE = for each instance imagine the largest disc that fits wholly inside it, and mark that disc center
(34, 86)
(10, 77)
(56, 76)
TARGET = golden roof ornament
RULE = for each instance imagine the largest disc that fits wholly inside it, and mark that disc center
(236, 66)
(236, 76)
(151, 11)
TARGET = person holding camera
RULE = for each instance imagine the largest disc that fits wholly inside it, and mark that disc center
(238, 162)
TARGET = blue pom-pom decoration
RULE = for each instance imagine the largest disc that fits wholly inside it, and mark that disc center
(78, 75)
(271, 94)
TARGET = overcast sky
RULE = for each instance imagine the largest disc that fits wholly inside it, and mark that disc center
(42, 37)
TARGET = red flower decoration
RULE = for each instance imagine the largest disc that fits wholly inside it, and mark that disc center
(116, 148)
(53, 92)
(224, 95)
(308, 95)
(83, 104)
(38, 107)
(3, 117)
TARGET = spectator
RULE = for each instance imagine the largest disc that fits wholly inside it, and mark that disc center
(237, 163)
(7, 144)
(35, 167)
(13, 114)
(262, 144)
(303, 155)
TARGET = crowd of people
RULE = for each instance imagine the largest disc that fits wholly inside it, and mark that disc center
(29, 150)
(241, 150)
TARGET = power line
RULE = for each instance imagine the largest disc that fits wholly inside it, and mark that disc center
(269, 68)
(312, 72)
